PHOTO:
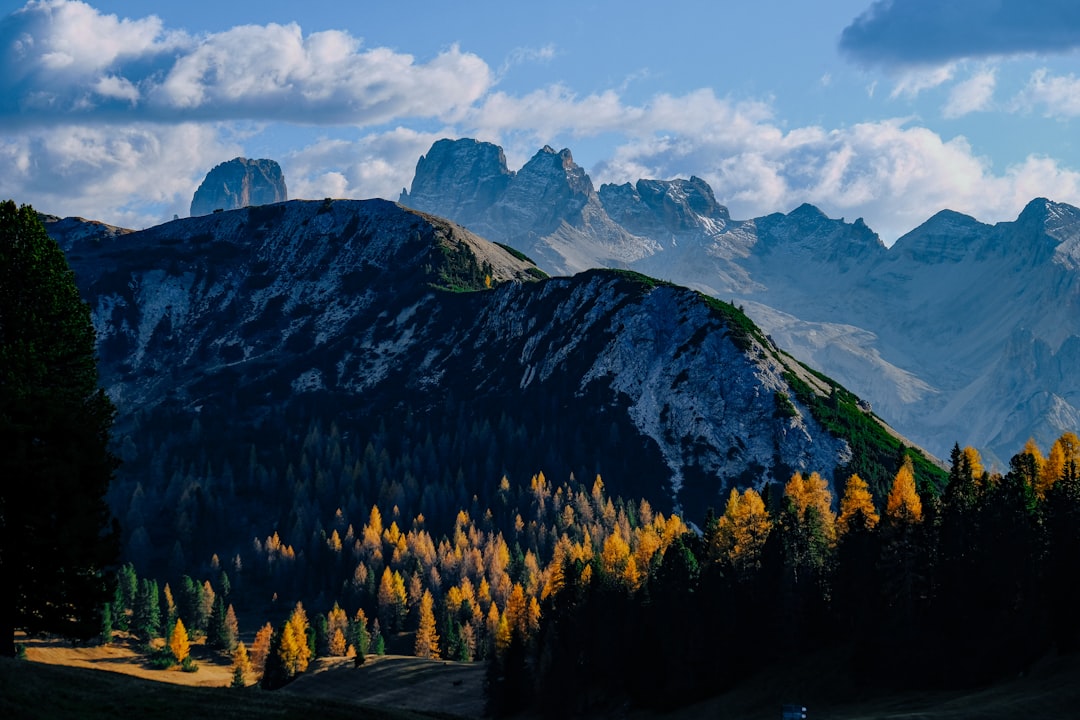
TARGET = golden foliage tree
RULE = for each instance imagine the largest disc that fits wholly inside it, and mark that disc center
(742, 530)
(903, 504)
(294, 652)
(337, 644)
(260, 648)
(242, 666)
(857, 502)
(179, 645)
(974, 461)
(427, 640)
(393, 600)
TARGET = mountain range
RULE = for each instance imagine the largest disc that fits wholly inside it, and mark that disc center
(224, 338)
(959, 332)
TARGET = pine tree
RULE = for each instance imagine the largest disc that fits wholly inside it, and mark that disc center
(359, 637)
(106, 624)
(378, 642)
(146, 614)
(57, 535)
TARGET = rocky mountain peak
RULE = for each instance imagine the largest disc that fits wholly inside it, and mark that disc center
(661, 208)
(238, 183)
(459, 179)
(807, 231)
(947, 237)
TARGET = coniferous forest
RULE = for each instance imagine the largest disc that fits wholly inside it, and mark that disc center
(935, 585)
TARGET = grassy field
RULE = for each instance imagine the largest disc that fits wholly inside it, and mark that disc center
(58, 681)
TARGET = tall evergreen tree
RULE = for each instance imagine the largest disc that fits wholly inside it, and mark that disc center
(57, 536)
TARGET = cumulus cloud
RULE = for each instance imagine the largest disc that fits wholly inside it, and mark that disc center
(891, 173)
(67, 62)
(899, 33)
(973, 95)
(134, 176)
(376, 165)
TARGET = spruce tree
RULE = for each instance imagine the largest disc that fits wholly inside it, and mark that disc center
(57, 535)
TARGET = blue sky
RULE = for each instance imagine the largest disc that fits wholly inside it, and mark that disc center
(890, 111)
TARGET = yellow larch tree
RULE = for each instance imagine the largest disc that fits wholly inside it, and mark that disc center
(427, 640)
(517, 612)
(491, 624)
(294, 652)
(242, 667)
(856, 502)
(903, 504)
(1051, 469)
(337, 623)
(337, 644)
(260, 648)
(392, 599)
(503, 634)
(974, 461)
(179, 645)
(614, 556)
(742, 530)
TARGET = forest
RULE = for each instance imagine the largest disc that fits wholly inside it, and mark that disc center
(932, 586)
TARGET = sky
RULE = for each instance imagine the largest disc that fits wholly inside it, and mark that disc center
(892, 110)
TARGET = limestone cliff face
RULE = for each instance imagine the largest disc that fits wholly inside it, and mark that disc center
(549, 209)
(238, 183)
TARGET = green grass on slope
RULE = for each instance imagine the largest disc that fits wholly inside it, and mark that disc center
(35, 691)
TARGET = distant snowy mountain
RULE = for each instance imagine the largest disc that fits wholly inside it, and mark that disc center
(961, 332)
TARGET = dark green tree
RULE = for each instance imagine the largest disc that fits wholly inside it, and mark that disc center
(146, 614)
(57, 535)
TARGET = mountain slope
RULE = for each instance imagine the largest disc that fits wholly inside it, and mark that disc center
(221, 336)
(931, 330)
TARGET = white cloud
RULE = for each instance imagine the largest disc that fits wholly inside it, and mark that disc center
(67, 62)
(377, 165)
(1057, 95)
(912, 82)
(973, 95)
(134, 176)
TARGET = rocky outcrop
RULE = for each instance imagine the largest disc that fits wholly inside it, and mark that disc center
(549, 209)
(238, 183)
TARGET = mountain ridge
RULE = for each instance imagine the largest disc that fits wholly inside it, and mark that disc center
(360, 310)
(917, 327)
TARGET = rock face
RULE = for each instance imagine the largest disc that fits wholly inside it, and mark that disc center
(961, 332)
(238, 183)
(549, 209)
(352, 312)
